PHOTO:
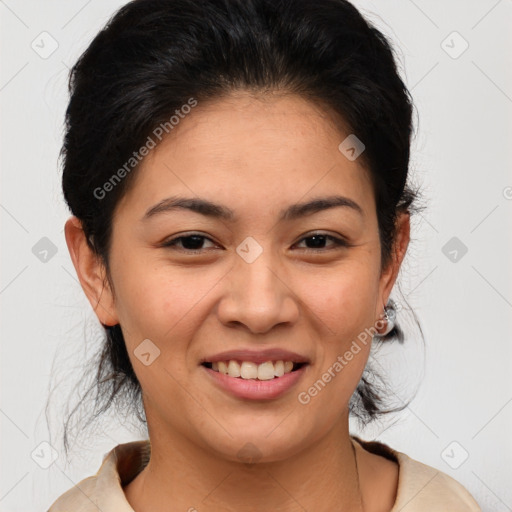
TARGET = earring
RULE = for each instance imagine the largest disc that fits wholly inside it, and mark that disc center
(390, 317)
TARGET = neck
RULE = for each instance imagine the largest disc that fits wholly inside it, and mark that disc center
(183, 476)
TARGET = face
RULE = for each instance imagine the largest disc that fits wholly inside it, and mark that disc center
(196, 283)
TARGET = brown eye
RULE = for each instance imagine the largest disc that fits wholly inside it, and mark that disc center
(318, 241)
(188, 243)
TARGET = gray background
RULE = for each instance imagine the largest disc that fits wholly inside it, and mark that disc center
(462, 157)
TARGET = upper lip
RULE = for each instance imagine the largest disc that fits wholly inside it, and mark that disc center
(256, 356)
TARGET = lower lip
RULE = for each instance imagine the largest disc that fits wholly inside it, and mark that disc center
(252, 389)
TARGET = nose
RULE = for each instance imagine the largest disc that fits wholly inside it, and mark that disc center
(258, 296)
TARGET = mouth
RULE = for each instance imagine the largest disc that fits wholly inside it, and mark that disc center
(247, 380)
(248, 370)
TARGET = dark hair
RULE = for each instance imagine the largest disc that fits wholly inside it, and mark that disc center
(154, 55)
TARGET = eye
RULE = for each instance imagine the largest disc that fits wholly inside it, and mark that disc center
(192, 243)
(318, 241)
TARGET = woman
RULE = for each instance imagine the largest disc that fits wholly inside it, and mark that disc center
(237, 174)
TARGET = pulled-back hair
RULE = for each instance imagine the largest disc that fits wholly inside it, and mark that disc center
(153, 56)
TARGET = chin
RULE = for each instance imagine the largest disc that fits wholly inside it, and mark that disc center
(259, 442)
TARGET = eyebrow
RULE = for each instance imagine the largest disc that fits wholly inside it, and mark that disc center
(210, 209)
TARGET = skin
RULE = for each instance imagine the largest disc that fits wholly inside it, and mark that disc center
(255, 155)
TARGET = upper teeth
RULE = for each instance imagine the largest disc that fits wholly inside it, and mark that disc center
(249, 370)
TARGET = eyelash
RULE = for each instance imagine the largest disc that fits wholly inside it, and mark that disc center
(338, 243)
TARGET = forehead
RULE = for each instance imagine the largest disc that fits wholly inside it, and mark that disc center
(242, 149)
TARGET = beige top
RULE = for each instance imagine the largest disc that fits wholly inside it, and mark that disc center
(421, 488)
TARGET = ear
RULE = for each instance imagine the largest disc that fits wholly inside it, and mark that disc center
(390, 273)
(91, 273)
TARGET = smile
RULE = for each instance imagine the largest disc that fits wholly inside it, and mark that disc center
(244, 382)
(249, 370)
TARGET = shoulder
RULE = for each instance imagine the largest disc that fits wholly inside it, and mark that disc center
(431, 488)
(423, 488)
(104, 490)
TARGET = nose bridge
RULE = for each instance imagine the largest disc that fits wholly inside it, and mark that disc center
(257, 297)
(259, 281)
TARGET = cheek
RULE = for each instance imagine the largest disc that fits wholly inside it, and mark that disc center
(343, 305)
(343, 300)
(154, 301)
